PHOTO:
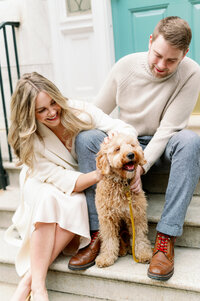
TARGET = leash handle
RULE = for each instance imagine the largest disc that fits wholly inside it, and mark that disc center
(128, 195)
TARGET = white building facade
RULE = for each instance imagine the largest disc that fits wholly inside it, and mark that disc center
(73, 49)
(68, 41)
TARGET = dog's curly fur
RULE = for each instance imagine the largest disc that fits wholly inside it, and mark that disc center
(118, 160)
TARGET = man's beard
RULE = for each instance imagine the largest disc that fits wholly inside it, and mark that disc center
(162, 74)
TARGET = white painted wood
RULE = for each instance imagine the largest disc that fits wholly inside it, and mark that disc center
(82, 48)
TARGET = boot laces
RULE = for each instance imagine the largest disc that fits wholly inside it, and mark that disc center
(94, 236)
(163, 241)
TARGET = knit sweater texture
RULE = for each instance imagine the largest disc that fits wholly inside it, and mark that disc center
(158, 107)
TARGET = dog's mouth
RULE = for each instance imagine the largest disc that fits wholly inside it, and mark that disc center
(129, 166)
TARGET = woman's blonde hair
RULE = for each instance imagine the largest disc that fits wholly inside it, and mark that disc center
(23, 122)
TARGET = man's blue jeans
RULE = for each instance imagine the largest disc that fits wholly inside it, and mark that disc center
(181, 156)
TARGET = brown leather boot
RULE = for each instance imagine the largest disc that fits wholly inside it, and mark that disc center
(162, 263)
(85, 257)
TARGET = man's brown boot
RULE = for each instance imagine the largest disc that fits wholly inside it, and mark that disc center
(162, 263)
(85, 257)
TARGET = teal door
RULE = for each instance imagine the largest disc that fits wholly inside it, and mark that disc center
(134, 21)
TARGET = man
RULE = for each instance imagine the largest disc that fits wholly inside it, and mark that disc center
(156, 92)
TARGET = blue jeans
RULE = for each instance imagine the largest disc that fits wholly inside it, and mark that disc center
(181, 157)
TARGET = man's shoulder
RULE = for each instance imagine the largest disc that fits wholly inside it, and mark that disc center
(133, 57)
(189, 64)
(129, 64)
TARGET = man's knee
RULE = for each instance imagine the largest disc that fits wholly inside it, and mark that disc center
(188, 138)
(90, 139)
(189, 142)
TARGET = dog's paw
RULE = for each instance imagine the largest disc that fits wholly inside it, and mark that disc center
(144, 255)
(103, 261)
(122, 252)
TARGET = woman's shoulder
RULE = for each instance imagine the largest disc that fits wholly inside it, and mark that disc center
(76, 104)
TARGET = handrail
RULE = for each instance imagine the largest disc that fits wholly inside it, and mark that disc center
(15, 24)
(3, 26)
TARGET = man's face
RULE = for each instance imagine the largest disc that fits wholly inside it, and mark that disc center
(163, 58)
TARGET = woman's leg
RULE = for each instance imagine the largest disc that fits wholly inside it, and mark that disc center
(62, 239)
(23, 288)
(42, 244)
(47, 241)
(45, 236)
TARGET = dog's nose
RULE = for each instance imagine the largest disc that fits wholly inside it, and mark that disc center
(130, 156)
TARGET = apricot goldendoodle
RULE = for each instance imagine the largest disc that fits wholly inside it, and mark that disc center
(118, 160)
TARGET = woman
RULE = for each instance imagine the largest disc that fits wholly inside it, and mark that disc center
(52, 208)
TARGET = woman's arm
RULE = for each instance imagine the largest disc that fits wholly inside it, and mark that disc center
(86, 180)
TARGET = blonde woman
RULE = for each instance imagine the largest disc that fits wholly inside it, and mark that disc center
(53, 208)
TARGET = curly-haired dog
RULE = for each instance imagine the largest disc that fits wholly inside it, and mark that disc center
(118, 160)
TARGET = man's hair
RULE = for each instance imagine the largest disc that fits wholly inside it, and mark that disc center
(175, 31)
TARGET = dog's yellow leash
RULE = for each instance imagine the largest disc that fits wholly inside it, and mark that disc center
(128, 195)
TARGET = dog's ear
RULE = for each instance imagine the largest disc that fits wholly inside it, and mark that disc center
(102, 163)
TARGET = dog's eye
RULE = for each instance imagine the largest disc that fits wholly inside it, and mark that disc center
(117, 149)
(133, 145)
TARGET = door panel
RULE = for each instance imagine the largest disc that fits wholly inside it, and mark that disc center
(134, 21)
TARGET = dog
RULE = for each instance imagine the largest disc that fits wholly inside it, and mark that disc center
(118, 160)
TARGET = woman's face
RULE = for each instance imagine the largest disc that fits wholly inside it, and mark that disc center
(47, 111)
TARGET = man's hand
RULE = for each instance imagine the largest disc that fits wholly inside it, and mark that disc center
(136, 183)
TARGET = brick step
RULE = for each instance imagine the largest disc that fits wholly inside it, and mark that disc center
(191, 234)
(125, 280)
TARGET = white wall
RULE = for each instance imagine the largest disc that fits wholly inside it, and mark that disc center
(33, 42)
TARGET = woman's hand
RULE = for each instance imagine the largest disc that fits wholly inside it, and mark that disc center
(99, 175)
(109, 137)
(136, 183)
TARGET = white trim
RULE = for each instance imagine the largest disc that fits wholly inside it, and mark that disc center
(102, 14)
(77, 25)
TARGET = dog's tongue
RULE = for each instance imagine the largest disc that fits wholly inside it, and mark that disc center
(129, 166)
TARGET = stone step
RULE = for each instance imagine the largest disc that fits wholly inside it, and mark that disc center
(153, 182)
(156, 182)
(12, 172)
(191, 229)
(9, 200)
(125, 280)
(191, 234)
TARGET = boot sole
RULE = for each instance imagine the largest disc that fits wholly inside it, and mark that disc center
(159, 277)
(81, 267)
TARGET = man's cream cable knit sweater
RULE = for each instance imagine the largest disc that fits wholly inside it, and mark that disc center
(153, 106)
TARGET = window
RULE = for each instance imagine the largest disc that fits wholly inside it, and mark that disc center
(77, 7)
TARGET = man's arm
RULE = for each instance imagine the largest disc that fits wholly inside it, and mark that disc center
(106, 98)
(175, 118)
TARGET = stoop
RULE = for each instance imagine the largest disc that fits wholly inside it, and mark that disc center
(125, 280)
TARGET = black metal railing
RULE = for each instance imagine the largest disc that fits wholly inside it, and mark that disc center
(6, 47)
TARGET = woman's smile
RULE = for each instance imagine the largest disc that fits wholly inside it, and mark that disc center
(47, 111)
